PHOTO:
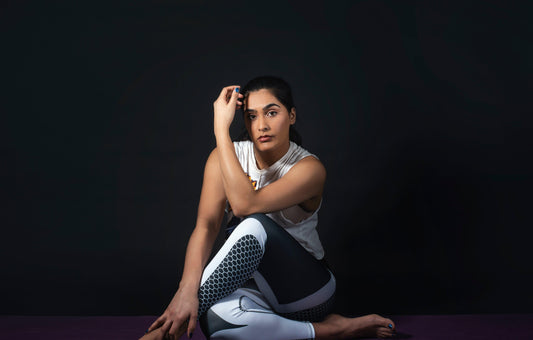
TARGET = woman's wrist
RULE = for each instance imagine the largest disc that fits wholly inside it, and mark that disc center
(222, 133)
(189, 286)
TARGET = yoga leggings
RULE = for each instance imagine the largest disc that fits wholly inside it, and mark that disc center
(290, 288)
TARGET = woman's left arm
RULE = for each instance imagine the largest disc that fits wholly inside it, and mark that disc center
(304, 181)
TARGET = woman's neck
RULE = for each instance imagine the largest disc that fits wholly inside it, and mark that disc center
(265, 159)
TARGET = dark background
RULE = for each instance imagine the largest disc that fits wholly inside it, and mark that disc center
(420, 112)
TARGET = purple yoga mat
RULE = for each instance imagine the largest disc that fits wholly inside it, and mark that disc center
(416, 327)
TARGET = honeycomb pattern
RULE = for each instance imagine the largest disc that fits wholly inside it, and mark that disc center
(235, 269)
(314, 314)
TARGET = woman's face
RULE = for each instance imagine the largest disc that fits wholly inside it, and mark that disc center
(267, 120)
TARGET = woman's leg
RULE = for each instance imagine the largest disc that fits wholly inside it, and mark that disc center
(291, 279)
(258, 242)
(299, 287)
(245, 315)
(233, 264)
(294, 282)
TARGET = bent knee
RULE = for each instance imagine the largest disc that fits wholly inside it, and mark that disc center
(225, 317)
(252, 225)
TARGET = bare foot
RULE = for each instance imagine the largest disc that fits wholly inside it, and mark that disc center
(339, 327)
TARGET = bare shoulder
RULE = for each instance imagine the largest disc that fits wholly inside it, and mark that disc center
(213, 157)
(313, 173)
(212, 165)
(310, 165)
(213, 153)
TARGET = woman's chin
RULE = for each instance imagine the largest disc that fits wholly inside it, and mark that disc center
(264, 146)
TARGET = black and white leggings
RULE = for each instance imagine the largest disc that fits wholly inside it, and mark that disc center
(290, 288)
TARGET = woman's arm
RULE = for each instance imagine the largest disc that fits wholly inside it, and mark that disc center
(304, 181)
(210, 214)
(184, 305)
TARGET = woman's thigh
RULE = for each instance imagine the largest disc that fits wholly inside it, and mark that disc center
(291, 279)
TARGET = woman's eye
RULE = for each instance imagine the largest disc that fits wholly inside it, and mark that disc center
(271, 113)
(251, 117)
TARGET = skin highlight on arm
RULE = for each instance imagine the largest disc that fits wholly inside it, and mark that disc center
(209, 219)
(304, 182)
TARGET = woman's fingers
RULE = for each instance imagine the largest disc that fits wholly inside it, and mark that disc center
(192, 325)
(228, 93)
(176, 331)
(157, 323)
(225, 91)
(166, 326)
(233, 98)
(224, 108)
(172, 333)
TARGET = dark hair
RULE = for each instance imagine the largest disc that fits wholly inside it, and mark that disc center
(279, 89)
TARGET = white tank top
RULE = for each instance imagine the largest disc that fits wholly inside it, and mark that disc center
(298, 222)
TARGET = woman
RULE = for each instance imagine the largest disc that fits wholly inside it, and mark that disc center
(269, 279)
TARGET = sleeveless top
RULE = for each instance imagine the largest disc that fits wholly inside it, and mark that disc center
(298, 222)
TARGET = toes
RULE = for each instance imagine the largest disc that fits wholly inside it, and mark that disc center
(384, 333)
(389, 324)
(384, 322)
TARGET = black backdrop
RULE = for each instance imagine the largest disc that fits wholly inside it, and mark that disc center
(417, 109)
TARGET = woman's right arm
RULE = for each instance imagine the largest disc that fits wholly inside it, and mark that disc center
(184, 305)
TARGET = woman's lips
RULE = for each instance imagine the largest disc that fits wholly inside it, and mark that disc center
(264, 139)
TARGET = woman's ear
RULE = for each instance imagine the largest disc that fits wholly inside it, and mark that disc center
(292, 116)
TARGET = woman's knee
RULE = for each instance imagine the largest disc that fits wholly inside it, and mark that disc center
(244, 315)
(252, 225)
(215, 319)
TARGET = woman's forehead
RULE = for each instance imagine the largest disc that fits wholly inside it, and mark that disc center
(256, 100)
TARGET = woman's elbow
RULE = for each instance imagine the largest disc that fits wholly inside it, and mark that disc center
(242, 209)
(239, 212)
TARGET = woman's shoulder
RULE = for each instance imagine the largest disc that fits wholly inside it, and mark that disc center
(303, 161)
(297, 154)
(309, 163)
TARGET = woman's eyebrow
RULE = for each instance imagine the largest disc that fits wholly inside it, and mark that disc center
(265, 108)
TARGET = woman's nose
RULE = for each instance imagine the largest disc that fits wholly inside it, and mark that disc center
(262, 124)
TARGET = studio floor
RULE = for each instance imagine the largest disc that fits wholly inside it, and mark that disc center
(416, 327)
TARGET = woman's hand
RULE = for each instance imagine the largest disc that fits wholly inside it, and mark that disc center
(180, 315)
(225, 106)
